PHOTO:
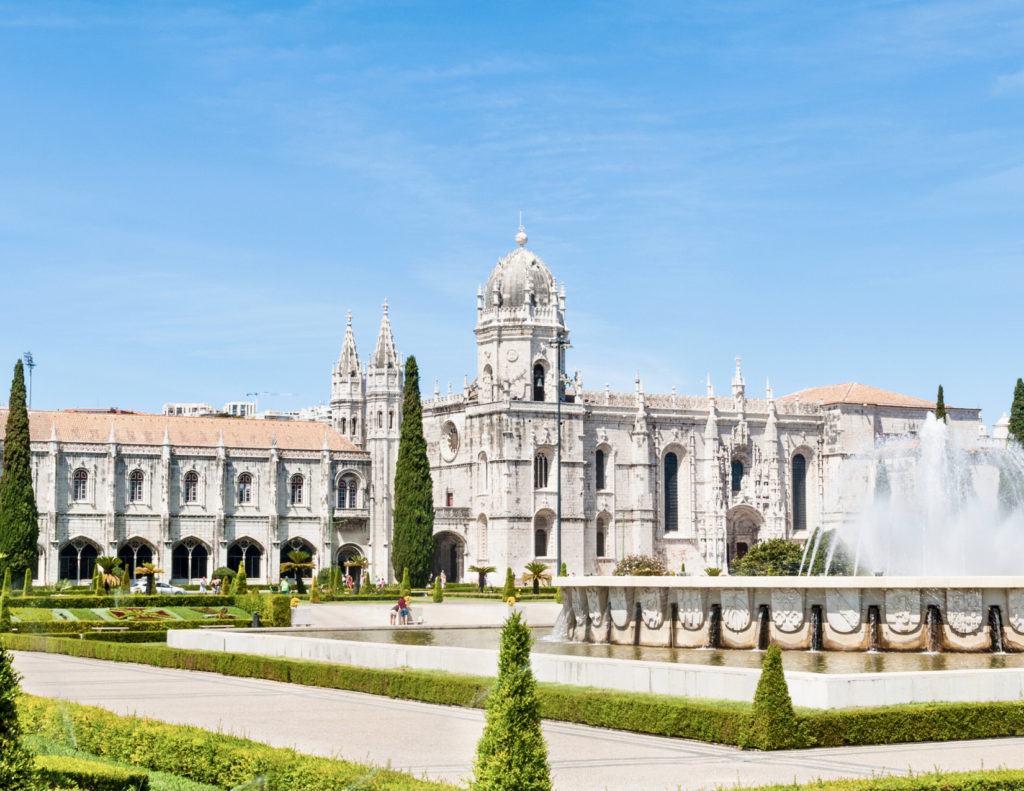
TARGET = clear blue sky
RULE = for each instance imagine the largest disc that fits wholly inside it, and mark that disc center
(192, 195)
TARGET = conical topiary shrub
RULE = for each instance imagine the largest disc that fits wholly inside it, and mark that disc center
(562, 572)
(405, 589)
(5, 613)
(509, 591)
(240, 584)
(26, 586)
(773, 725)
(438, 593)
(17, 767)
(6, 589)
(511, 753)
(97, 581)
(314, 592)
(225, 586)
(126, 582)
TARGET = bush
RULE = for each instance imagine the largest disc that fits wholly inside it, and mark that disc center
(64, 771)
(16, 768)
(5, 613)
(314, 592)
(509, 590)
(639, 566)
(135, 600)
(280, 609)
(773, 558)
(438, 594)
(240, 584)
(773, 726)
(223, 572)
(992, 780)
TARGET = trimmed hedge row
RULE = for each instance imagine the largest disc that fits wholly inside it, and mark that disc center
(133, 599)
(86, 627)
(60, 771)
(224, 761)
(706, 720)
(989, 780)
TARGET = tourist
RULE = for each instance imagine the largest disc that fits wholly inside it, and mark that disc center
(202, 585)
(444, 579)
(394, 614)
(284, 585)
(403, 610)
(216, 584)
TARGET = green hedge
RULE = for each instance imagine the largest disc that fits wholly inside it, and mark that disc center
(87, 627)
(224, 761)
(131, 600)
(992, 780)
(60, 771)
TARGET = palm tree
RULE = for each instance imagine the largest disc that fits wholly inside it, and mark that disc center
(298, 561)
(109, 571)
(481, 574)
(535, 573)
(149, 571)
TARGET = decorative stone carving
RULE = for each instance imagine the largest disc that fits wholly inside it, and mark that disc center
(842, 610)
(652, 607)
(579, 610)
(963, 610)
(690, 602)
(597, 603)
(620, 605)
(787, 609)
(735, 609)
(903, 610)
(1015, 616)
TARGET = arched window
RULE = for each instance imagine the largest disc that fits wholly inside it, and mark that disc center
(799, 492)
(295, 490)
(245, 552)
(540, 542)
(741, 549)
(135, 481)
(737, 475)
(391, 418)
(191, 493)
(538, 382)
(133, 554)
(76, 561)
(540, 471)
(244, 488)
(671, 492)
(354, 429)
(80, 486)
(380, 420)
(481, 464)
(347, 486)
(342, 427)
(599, 470)
(189, 560)
(600, 542)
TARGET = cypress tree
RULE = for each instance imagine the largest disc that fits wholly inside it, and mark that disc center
(19, 519)
(412, 541)
(17, 767)
(1017, 413)
(509, 591)
(511, 753)
(940, 406)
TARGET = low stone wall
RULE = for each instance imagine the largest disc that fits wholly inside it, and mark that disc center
(798, 613)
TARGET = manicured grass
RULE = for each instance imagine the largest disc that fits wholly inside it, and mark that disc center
(158, 781)
(191, 613)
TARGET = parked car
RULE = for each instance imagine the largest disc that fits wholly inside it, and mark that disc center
(159, 588)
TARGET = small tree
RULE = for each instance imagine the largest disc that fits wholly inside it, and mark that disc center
(314, 592)
(17, 767)
(438, 593)
(109, 572)
(149, 571)
(126, 582)
(96, 584)
(298, 562)
(509, 591)
(6, 589)
(536, 573)
(1017, 413)
(404, 589)
(481, 574)
(511, 753)
(225, 586)
(940, 406)
(19, 518)
(773, 725)
(562, 572)
(240, 584)
(26, 585)
(5, 613)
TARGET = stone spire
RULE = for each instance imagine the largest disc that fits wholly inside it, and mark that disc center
(768, 389)
(348, 362)
(711, 389)
(385, 356)
(738, 385)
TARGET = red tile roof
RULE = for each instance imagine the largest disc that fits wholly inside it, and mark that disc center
(854, 393)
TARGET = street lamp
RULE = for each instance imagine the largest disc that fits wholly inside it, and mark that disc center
(560, 343)
(30, 364)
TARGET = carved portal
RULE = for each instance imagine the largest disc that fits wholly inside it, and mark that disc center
(1015, 600)
(579, 610)
(842, 609)
(736, 609)
(597, 603)
(903, 610)
(652, 607)
(691, 607)
(620, 604)
(963, 610)
(787, 609)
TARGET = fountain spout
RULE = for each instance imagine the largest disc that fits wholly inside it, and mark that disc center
(817, 639)
(763, 621)
(933, 621)
(874, 641)
(715, 627)
(995, 628)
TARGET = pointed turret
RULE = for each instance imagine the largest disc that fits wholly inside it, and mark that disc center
(348, 390)
(384, 355)
(738, 385)
(768, 389)
(348, 362)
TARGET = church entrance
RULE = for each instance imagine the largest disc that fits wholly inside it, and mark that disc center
(350, 552)
(449, 550)
(742, 528)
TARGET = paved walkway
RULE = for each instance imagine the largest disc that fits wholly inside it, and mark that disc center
(440, 741)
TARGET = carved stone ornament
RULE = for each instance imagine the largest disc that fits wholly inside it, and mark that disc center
(690, 602)
(579, 611)
(652, 607)
(903, 610)
(735, 609)
(449, 441)
(963, 610)
(842, 610)
(1015, 617)
(620, 603)
(597, 603)
(787, 609)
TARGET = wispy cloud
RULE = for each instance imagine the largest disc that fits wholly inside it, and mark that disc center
(1006, 84)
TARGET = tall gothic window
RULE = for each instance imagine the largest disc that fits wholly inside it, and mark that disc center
(599, 470)
(737, 475)
(135, 481)
(355, 430)
(133, 554)
(538, 382)
(189, 560)
(347, 485)
(600, 543)
(380, 420)
(244, 488)
(799, 492)
(295, 489)
(243, 552)
(671, 493)
(80, 486)
(540, 471)
(191, 487)
(342, 427)
(391, 419)
(540, 543)
(76, 561)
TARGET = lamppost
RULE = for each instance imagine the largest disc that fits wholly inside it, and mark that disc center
(560, 343)
(30, 364)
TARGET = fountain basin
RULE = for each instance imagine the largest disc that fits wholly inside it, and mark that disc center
(798, 613)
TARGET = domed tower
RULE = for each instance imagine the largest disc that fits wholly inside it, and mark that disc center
(519, 313)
